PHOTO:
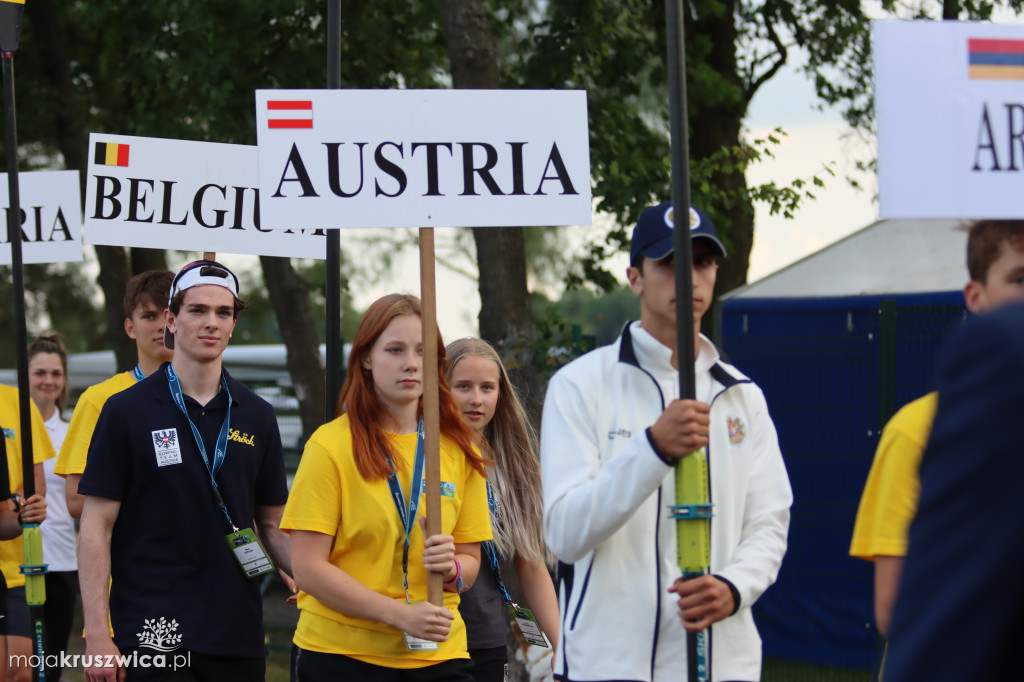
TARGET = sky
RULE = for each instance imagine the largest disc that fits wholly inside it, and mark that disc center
(813, 140)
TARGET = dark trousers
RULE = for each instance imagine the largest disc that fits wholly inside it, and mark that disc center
(59, 611)
(489, 665)
(190, 666)
(313, 666)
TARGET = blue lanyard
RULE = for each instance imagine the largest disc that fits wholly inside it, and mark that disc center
(489, 549)
(137, 373)
(221, 447)
(408, 516)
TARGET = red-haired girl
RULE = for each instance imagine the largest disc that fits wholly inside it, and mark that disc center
(359, 555)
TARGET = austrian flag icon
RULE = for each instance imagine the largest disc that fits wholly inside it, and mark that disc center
(289, 114)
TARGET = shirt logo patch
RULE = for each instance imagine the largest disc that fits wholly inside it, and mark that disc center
(619, 432)
(447, 489)
(165, 445)
(10, 434)
(239, 437)
(737, 430)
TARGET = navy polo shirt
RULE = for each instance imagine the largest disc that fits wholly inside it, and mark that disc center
(169, 558)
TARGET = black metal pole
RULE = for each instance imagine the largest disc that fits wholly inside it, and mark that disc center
(17, 267)
(335, 353)
(34, 569)
(680, 159)
(683, 248)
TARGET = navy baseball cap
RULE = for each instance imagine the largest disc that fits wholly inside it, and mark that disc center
(652, 236)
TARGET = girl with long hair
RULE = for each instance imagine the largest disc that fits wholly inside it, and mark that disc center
(360, 557)
(491, 407)
(48, 387)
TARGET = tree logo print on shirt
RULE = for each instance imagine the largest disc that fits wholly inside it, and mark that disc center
(159, 634)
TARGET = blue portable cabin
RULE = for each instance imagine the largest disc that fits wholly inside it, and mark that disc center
(839, 341)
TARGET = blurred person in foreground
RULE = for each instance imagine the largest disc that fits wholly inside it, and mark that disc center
(960, 610)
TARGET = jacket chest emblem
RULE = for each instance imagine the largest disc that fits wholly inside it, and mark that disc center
(737, 430)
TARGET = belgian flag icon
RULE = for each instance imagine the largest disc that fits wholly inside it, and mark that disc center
(110, 154)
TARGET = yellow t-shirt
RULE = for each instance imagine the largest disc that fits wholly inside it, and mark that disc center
(12, 551)
(330, 496)
(75, 450)
(889, 501)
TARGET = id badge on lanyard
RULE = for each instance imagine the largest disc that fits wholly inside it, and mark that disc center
(244, 544)
(524, 618)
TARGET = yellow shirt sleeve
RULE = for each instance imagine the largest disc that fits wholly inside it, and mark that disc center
(75, 450)
(889, 501)
(314, 502)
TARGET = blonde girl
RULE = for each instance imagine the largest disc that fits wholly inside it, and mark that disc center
(490, 406)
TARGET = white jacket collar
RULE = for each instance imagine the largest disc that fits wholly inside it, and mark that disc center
(656, 357)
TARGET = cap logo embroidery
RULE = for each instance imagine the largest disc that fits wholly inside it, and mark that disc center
(694, 219)
(737, 430)
(670, 217)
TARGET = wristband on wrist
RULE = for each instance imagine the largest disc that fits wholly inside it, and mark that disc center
(458, 574)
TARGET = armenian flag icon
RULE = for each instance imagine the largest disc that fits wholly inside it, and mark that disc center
(995, 59)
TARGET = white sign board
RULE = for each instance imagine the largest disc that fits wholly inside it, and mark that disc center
(949, 106)
(423, 158)
(178, 194)
(51, 217)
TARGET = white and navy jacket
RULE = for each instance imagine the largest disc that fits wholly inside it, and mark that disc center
(605, 497)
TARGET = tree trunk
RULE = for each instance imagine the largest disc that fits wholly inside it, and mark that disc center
(505, 317)
(289, 297)
(114, 274)
(712, 129)
(149, 259)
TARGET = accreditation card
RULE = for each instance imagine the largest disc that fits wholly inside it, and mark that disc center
(249, 552)
(528, 626)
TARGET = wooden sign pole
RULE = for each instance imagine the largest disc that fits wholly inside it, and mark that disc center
(431, 415)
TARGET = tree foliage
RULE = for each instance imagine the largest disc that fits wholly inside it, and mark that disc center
(57, 298)
(187, 69)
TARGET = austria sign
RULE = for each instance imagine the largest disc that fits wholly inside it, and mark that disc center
(51, 217)
(423, 158)
(949, 105)
(177, 194)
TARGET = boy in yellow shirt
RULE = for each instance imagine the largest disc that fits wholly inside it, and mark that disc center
(145, 299)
